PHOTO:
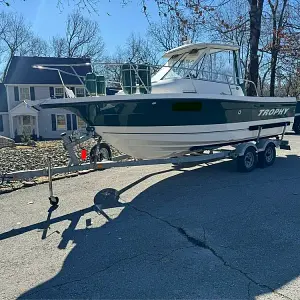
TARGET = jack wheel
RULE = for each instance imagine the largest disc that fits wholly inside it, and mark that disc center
(248, 161)
(53, 200)
(267, 158)
(103, 153)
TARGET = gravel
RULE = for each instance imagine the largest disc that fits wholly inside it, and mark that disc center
(23, 157)
(31, 158)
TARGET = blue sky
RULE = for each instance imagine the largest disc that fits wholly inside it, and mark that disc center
(48, 20)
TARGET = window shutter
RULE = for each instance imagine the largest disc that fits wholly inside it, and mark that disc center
(32, 93)
(1, 123)
(16, 90)
(51, 90)
(69, 126)
(74, 121)
(53, 119)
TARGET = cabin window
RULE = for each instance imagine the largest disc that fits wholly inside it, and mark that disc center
(187, 106)
(59, 92)
(61, 122)
(79, 92)
(24, 93)
(218, 66)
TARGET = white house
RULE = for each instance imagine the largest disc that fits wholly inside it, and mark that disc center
(23, 85)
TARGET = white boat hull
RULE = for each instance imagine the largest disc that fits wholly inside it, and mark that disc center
(169, 141)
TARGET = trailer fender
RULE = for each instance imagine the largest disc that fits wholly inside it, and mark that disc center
(262, 144)
(241, 148)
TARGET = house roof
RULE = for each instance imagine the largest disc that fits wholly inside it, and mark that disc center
(20, 70)
(3, 101)
(24, 108)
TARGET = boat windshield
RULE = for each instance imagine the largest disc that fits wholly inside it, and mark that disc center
(213, 65)
(167, 68)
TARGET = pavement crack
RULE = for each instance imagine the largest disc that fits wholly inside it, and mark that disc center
(204, 245)
(174, 250)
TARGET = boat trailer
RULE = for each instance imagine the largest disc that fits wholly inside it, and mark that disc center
(249, 154)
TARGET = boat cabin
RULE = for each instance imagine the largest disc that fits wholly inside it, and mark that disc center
(200, 68)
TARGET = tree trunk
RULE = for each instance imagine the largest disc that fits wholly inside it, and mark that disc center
(255, 27)
(273, 72)
(277, 30)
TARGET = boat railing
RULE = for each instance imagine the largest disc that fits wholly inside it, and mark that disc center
(188, 74)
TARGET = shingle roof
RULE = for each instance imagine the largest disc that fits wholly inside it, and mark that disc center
(21, 72)
(3, 101)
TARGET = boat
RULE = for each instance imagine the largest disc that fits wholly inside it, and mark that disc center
(195, 101)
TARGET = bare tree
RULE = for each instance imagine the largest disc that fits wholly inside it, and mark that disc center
(140, 50)
(17, 38)
(136, 50)
(167, 33)
(58, 46)
(14, 34)
(278, 24)
(230, 24)
(82, 39)
(35, 46)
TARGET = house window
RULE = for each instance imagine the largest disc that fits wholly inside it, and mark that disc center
(61, 122)
(79, 92)
(80, 123)
(24, 93)
(1, 124)
(59, 92)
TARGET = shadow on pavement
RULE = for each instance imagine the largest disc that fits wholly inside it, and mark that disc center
(205, 233)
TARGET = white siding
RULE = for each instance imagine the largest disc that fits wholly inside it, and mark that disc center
(45, 123)
(11, 97)
(41, 92)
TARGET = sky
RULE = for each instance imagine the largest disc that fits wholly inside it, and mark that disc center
(116, 22)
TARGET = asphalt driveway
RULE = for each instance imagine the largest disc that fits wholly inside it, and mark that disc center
(206, 232)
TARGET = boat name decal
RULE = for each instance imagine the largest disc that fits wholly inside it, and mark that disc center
(273, 111)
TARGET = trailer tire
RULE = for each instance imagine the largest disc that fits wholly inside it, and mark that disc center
(104, 153)
(248, 161)
(296, 126)
(267, 158)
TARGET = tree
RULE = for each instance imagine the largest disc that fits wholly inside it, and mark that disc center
(58, 46)
(136, 50)
(82, 39)
(256, 8)
(230, 24)
(16, 38)
(278, 20)
(35, 46)
(167, 33)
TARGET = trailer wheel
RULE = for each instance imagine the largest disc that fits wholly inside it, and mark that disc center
(267, 158)
(248, 161)
(103, 153)
(296, 126)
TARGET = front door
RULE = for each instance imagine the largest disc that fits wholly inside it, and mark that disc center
(27, 124)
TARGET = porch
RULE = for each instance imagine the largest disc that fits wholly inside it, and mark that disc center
(23, 121)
